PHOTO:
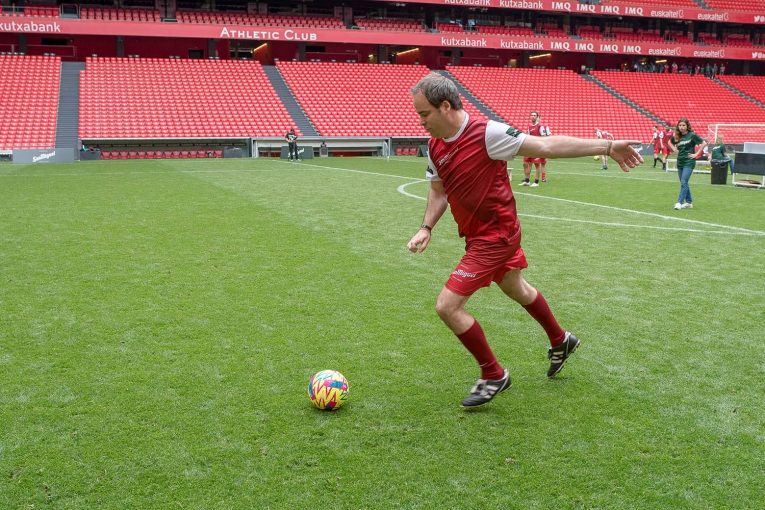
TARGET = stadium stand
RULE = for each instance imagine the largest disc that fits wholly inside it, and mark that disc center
(671, 3)
(29, 89)
(449, 27)
(753, 86)
(553, 31)
(672, 96)
(173, 98)
(37, 11)
(105, 13)
(503, 30)
(565, 101)
(736, 5)
(358, 99)
(589, 32)
(389, 25)
(627, 34)
(161, 154)
(272, 20)
(679, 37)
(709, 39)
(738, 40)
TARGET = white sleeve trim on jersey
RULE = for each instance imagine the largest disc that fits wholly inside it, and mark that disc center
(431, 173)
(503, 141)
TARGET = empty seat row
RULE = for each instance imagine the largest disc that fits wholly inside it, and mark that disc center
(566, 102)
(29, 89)
(330, 94)
(171, 98)
(162, 154)
(702, 101)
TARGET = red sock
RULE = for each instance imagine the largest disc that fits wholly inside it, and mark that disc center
(540, 310)
(474, 341)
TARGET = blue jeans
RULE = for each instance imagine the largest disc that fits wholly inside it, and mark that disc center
(684, 174)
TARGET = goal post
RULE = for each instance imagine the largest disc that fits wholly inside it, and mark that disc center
(736, 134)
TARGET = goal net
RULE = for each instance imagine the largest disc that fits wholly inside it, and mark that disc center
(736, 133)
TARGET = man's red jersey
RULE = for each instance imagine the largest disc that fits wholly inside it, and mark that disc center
(668, 134)
(658, 141)
(538, 130)
(472, 166)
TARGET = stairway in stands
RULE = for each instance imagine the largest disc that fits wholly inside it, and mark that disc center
(67, 123)
(302, 122)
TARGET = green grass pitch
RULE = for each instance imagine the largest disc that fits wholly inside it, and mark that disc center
(159, 321)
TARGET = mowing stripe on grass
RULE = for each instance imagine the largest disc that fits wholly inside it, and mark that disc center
(401, 189)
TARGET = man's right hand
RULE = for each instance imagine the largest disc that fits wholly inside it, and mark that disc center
(419, 241)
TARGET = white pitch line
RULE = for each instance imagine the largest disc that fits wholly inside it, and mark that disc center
(744, 232)
(632, 211)
(651, 227)
(644, 213)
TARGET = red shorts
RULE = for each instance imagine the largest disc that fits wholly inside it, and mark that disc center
(667, 151)
(535, 160)
(657, 149)
(486, 261)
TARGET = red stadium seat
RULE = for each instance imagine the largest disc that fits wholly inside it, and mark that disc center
(703, 101)
(323, 89)
(28, 84)
(566, 102)
(121, 98)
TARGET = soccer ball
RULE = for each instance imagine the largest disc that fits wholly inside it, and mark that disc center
(328, 389)
(596, 158)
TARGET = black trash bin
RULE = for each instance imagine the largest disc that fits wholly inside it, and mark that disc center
(719, 171)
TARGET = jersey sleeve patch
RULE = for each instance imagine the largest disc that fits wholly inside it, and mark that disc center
(431, 173)
(503, 141)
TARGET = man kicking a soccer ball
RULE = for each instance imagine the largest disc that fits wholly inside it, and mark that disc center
(467, 169)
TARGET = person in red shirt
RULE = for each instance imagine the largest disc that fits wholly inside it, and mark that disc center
(535, 129)
(602, 134)
(666, 150)
(467, 169)
(658, 145)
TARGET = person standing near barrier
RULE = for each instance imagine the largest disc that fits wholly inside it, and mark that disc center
(684, 142)
(291, 138)
(717, 153)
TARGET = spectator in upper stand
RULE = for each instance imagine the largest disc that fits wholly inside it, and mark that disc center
(708, 70)
(722, 69)
(714, 70)
(697, 69)
(674, 67)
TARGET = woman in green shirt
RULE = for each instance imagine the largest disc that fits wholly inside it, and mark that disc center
(684, 142)
(717, 153)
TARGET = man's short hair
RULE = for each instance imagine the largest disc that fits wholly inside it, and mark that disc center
(437, 89)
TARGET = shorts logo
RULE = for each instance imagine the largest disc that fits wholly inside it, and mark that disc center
(513, 132)
(464, 274)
